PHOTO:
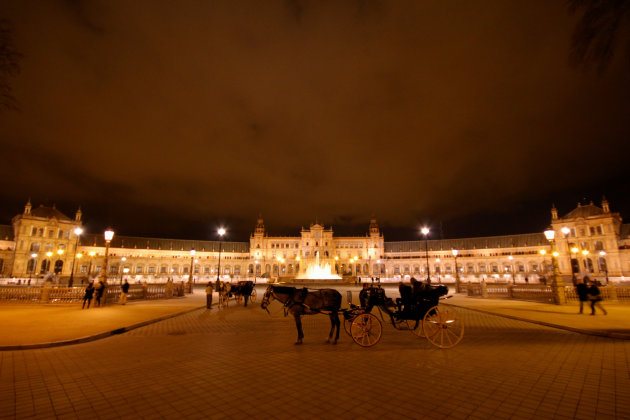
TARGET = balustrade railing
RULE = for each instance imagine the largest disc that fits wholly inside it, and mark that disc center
(48, 293)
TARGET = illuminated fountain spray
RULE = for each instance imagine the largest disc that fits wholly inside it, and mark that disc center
(318, 271)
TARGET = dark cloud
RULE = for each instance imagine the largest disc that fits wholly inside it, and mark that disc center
(168, 117)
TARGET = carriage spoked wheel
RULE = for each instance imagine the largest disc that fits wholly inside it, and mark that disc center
(366, 330)
(415, 326)
(443, 327)
(252, 297)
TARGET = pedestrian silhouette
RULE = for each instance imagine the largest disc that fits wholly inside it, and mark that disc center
(89, 292)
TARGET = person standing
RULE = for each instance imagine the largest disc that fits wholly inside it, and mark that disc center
(582, 291)
(124, 291)
(209, 295)
(595, 297)
(98, 292)
(89, 292)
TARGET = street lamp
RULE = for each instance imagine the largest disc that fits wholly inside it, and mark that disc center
(91, 254)
(109, 235)
(604, 264)
(457, 282)
(437, 269)
(221, 232)
(78, 231)
(190, 275)
(32, 267)
(556, 285)
(122, 269)
(511, 258)
(587, 267)
(425, 231)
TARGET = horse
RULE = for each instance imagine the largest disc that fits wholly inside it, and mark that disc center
(300, 302)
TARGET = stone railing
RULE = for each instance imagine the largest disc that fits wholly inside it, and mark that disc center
(543, 293)
(49, 293)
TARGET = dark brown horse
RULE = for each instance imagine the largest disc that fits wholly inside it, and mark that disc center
(300, 302)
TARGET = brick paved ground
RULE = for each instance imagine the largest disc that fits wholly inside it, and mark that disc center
(241, 363)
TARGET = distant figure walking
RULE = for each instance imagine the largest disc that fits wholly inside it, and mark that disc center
(89, 292)
(209, 295)
(595, 297)
(582, 291)
(124, 291)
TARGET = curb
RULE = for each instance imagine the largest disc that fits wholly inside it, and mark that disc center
(599, 333)
(96, 336)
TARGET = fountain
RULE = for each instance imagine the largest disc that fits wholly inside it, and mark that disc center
(316, 271)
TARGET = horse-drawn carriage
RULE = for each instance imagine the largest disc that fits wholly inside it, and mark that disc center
(242, 290)
(416, 310)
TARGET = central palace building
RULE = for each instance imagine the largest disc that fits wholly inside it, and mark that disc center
(589, 240)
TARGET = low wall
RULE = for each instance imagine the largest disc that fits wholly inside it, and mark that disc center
(542, 293)
(49, 293)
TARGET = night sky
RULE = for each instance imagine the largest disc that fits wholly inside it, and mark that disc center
(169, 118)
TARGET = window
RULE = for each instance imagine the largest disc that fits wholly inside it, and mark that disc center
(51, 233)
(113, 269)
(174, 269)
(206, 270)
(44, 267)
(33, 231)
(31, 265)
(48, 247)
(41, 232)
(592, 230)
(599, 230)
(470, 268)
(521, 268)
(151, 269)
(139, 269)
(495, 268)
(35, 247)
(60, 234)
(482, 268)
(163, 269)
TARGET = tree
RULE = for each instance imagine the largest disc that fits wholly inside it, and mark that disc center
(603, 25)
(9, 67)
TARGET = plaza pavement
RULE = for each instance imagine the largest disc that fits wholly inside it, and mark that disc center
(25, 326)
(240, 363)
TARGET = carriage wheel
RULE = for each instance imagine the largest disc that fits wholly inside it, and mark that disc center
(444, 328)
(252, 297)
(366, 330)
(415, 326)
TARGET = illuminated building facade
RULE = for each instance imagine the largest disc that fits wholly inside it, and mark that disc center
(590, 240)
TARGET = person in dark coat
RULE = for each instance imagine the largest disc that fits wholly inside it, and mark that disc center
(89, 292)
(595, 297)
(124, 291)
(582, 292)
(99, 289)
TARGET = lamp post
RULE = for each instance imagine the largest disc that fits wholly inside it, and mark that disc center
(122, 269)
(437, 269)
(511, 258)
(91, 254)
(32, 268)
(587, 267)
(566, 231)
(557, 285)
(221, 232)
(604, 264)
(457, 282)
(190, 275)
(60, 253)
(425, 231)
(109, 235)
(78, 231)
(49, 255)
